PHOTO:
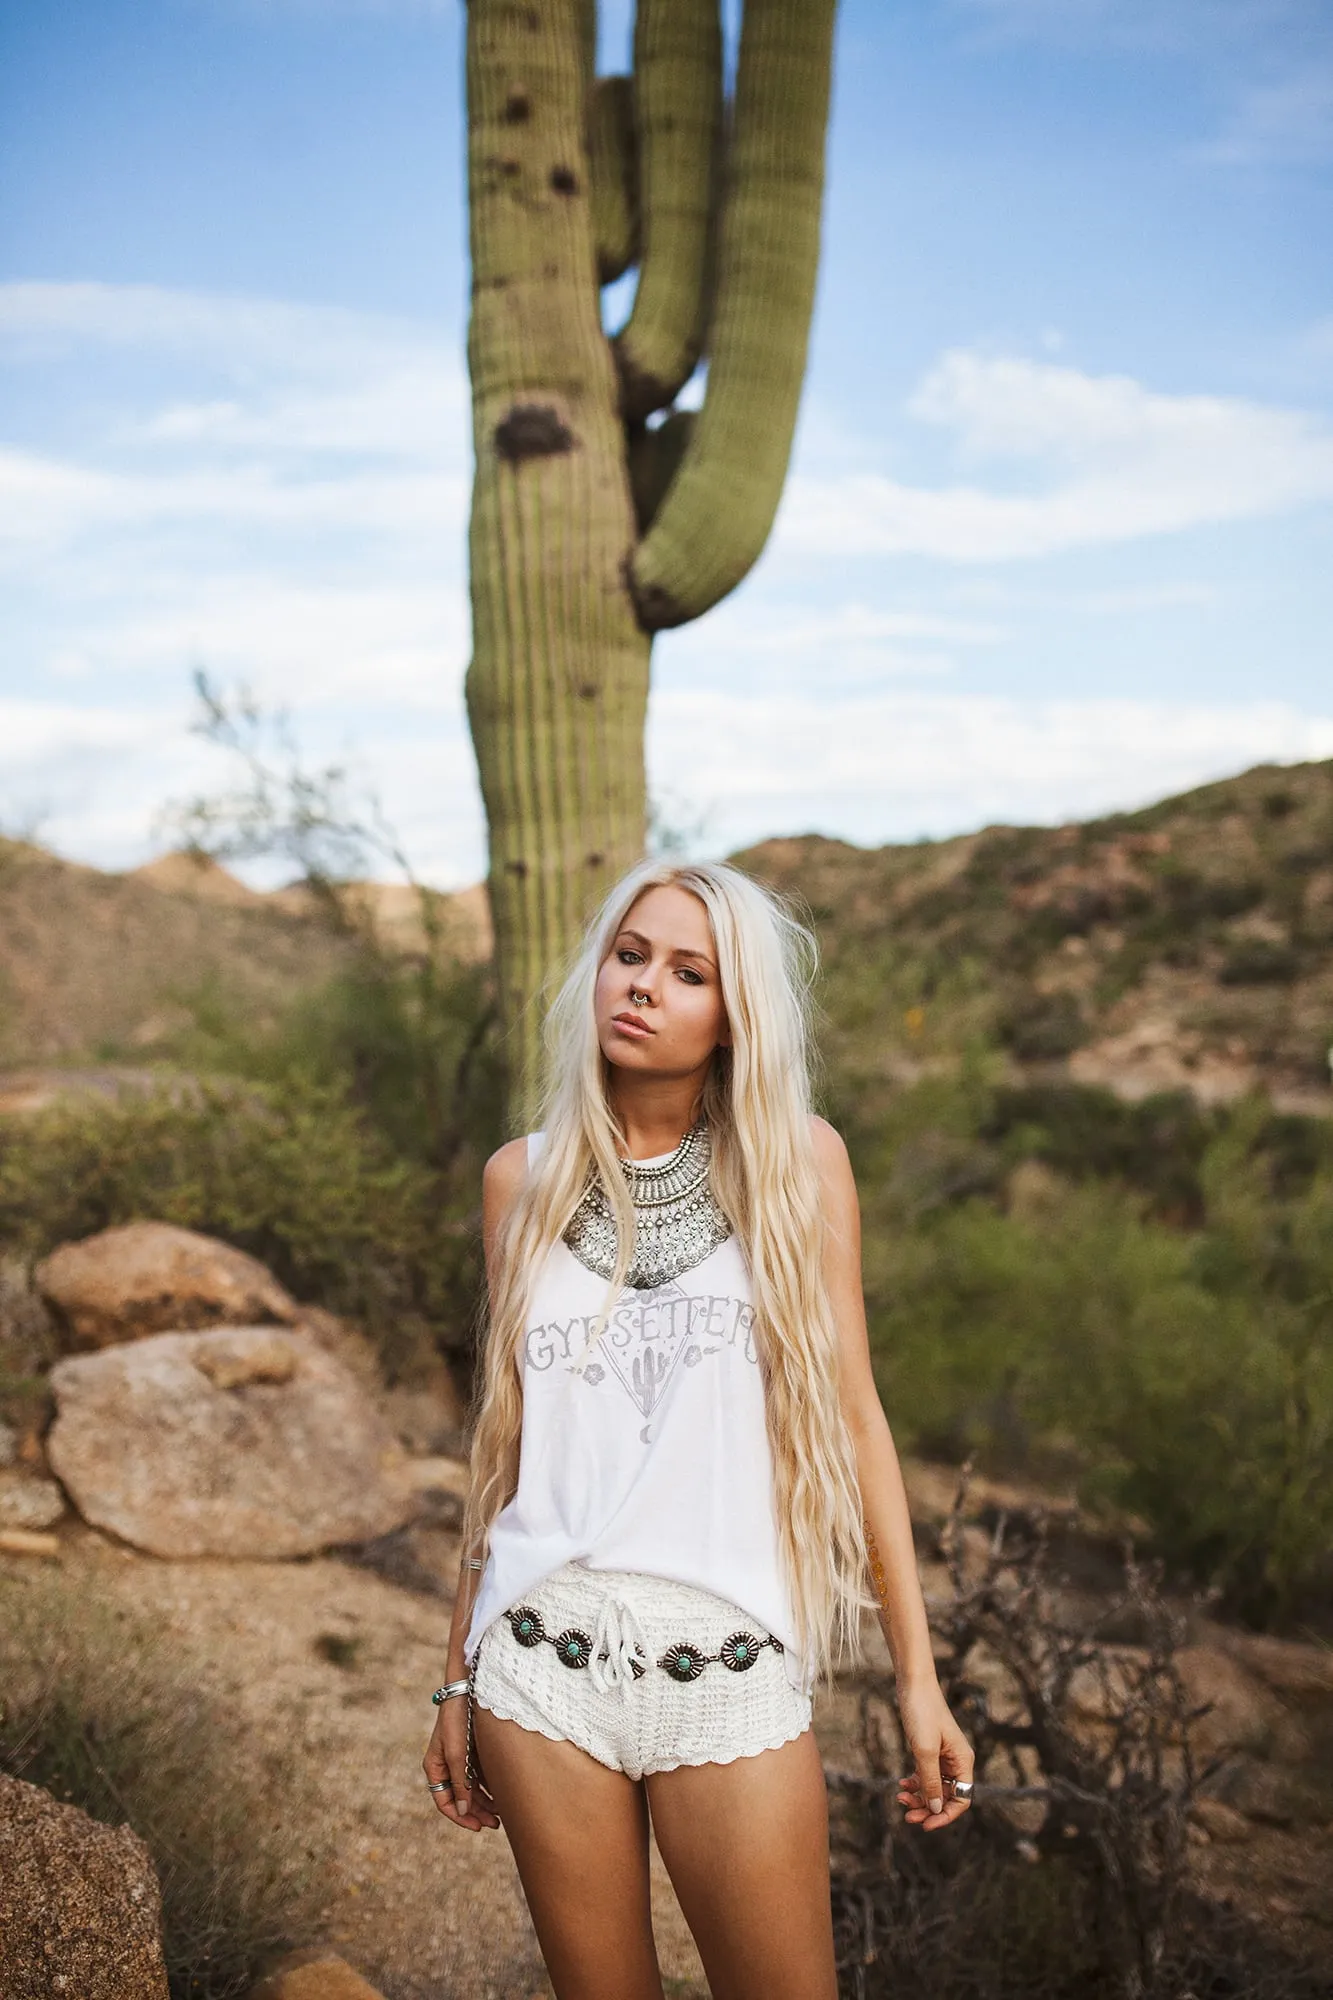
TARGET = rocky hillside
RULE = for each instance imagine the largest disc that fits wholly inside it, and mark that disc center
(102, 966)
(1187, 945)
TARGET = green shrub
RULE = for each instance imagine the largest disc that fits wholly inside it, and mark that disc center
(296, 1174)
(92, 1709)
(1185, 1374)
(1042, 1027)
(1260, 962)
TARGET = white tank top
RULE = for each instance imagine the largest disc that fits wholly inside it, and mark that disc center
(654, 1456)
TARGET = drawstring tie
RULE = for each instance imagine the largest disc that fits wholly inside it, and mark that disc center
(620, 1638)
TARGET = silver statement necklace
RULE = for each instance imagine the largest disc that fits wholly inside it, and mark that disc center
(677, 1222)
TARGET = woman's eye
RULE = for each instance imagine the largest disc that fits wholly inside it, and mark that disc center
(627, 956)
(690, 976)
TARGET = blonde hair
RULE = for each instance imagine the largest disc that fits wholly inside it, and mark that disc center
(757, 1103)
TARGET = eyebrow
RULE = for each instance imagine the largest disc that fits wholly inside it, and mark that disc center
(678, 951)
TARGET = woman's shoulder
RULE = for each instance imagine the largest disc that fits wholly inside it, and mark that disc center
(831, 1161)
(830, 1148)
(505, 1171)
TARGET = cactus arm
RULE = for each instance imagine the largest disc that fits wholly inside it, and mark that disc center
(614, 161)
(678, 116)
(717, 515)
(654, 460)
(557, 686)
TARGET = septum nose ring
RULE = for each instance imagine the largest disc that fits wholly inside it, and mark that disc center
(637, 999)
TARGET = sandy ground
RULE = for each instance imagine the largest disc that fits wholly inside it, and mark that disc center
(420, 1908)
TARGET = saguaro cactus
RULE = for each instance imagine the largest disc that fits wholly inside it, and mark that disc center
(600, 513)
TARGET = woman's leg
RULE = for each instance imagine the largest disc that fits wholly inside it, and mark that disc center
(746, 1847)
(580, 1837)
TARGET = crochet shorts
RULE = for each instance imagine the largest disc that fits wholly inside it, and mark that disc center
(642, 1673)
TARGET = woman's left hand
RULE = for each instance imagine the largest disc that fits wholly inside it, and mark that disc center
(940, 1752)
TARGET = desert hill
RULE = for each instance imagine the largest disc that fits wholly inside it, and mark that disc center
(1189, 945)
(97, 965)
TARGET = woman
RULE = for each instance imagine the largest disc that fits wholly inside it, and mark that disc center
(681, 1468)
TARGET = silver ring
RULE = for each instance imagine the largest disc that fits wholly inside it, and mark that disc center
(961, 1787)
(637, 999)
(443, 1786)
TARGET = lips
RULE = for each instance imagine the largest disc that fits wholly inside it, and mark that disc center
(631, 1024)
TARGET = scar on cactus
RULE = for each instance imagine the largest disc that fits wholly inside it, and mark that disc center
(531, 430)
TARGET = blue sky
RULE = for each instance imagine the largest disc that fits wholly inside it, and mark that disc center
(1056, 537)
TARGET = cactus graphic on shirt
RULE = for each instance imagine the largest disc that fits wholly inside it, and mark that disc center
(649, 1374)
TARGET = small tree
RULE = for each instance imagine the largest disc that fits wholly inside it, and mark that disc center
(596, 520)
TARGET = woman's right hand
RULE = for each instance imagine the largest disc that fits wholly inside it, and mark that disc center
(446, 1761)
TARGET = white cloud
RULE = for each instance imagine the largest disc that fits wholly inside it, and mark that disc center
(91, 780)
(291, 512)
(313, 644)
(1285, 121)
(895, 764)
(1119, 462)
(39, 319)
(855, 625)
(46, 504)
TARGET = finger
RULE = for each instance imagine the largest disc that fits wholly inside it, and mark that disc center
(909, 1797)
(482, 1813)
(475, 1806)
(928, 1775)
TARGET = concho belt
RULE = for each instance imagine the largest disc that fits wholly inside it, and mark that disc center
(677, 1222)
(575, 1648)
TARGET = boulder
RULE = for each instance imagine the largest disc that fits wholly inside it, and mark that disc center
(313, 1974)
(150, 1277)
(1221, 1822)
(423, 1410)
(1241, 1714)
(80, 1907)
(26, 1502)
(245, 1441)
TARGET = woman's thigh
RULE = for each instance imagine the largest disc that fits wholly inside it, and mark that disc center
(579, 1833)
(746, 1847)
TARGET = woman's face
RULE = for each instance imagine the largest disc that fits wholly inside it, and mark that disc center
(664, 950)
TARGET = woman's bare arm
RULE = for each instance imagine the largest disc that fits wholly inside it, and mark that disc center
(446, 1754)
(938, 1746)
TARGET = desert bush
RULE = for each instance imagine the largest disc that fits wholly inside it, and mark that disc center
(409, 1038)
(1182, 1374)
(1041, 1027)
(295, 1173)
(1259, 961)
(1068, 1880)
(93, 1710)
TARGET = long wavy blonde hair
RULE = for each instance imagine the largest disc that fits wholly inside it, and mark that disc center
(757, 1103)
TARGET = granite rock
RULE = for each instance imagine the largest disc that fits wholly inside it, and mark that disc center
(151, 1277)
(80, 1907)
(241, 1441)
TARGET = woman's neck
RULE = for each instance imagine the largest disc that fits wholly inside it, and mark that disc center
(654, 1113)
